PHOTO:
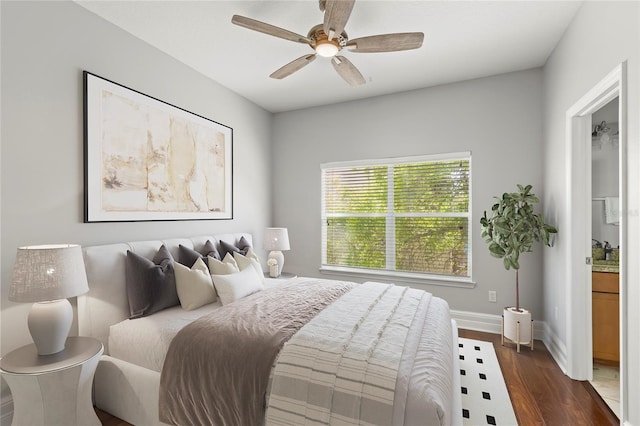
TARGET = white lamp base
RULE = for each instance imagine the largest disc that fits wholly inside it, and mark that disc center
(279, 257)
(49, 324)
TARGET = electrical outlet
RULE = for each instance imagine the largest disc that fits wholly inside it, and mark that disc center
(493, 296)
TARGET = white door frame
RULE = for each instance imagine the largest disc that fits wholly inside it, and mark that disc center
(578, 249)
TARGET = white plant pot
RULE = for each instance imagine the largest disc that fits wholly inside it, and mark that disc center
(511, 319)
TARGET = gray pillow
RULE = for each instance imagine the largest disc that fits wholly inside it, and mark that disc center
(151, 284)
(188, 257)
(210, 249)
(242, 248)
(225, 248)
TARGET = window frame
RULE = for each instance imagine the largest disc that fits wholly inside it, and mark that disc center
(390, 215)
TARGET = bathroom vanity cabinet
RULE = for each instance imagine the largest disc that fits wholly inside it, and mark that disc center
(606, 316)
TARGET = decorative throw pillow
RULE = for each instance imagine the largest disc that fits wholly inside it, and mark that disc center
(249, 261)
(210, 249)
(151, 284)
(252, 254)
(188, 256)
(226, 247)
(236, 286)
(242, 247)
(227, 266)
(194, 285)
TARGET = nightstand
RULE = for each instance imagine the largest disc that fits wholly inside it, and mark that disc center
(53, 389)
(283, 276)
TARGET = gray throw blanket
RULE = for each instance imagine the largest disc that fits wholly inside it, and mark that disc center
(217, 368)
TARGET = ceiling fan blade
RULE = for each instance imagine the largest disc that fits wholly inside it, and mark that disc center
(293, 66)
(347, 71)
(265, 28)
(336, 15)
(386, 42)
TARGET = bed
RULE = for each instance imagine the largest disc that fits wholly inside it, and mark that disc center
(408, 376)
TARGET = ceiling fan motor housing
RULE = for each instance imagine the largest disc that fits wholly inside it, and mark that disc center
(322, 45)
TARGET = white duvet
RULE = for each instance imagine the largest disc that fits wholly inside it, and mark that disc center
(145, 341)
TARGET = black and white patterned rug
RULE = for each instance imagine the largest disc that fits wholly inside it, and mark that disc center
(485, 399)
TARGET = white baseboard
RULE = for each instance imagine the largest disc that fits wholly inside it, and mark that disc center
(556, 347)
(490, 323)
(6, 410)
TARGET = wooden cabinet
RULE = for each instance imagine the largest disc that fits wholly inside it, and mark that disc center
(606, 316)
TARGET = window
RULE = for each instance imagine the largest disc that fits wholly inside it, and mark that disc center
(402, 216)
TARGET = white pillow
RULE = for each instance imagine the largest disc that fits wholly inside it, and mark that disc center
(227, 266)
(228, 258)
(248, 261)
(236, 286)
(194, 285)
(252, 254)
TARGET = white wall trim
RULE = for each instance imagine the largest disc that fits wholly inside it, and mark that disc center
(6, 410)
(579, 343)
(490, 323)
(555, 346)
(487, 323)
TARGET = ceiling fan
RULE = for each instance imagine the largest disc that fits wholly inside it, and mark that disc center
(329, 38)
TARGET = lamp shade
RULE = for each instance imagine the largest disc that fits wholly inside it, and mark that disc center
(276, 239)
(48, 272)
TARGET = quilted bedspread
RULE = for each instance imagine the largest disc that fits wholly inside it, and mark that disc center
(342, 367)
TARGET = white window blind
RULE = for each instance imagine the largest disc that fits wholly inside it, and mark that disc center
(407, 214)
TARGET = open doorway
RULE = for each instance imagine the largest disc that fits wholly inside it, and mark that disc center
(605, 253)
(579, 230)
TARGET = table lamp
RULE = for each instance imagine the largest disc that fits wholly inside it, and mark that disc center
(276, 240)
(47, 275)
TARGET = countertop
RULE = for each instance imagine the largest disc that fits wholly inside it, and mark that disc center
(605, 266)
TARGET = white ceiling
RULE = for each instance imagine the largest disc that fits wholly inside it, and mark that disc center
(463, 40)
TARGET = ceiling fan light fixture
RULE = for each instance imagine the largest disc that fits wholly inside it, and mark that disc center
(329, 38)
(326, 49)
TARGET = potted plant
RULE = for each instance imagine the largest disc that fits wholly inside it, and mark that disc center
(511, 230)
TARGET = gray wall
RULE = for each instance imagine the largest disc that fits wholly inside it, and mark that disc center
(498, 119)
(45, 47)
(612, 29)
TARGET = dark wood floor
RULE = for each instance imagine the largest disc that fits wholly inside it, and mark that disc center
(541, 394)
(109, 420)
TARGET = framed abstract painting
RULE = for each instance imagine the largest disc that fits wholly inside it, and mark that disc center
(147, 160)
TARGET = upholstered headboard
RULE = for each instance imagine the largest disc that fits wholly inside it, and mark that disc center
(106, 302)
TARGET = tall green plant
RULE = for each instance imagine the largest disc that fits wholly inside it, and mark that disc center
(513, 228)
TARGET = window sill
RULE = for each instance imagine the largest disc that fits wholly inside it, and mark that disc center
(403, 277)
